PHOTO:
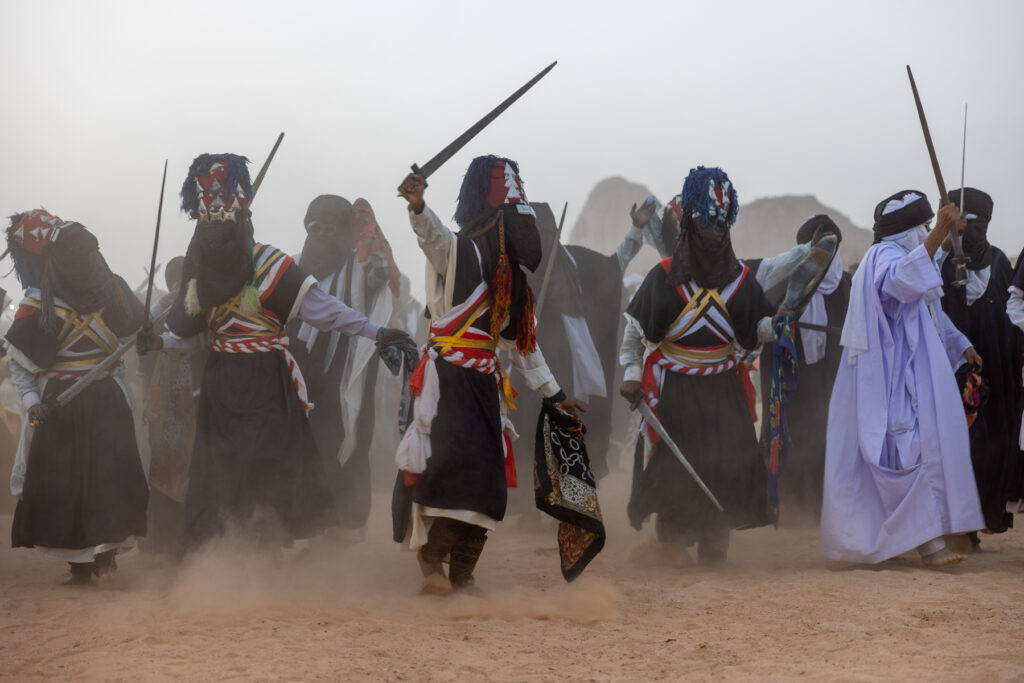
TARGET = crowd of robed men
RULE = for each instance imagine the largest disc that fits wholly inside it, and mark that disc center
(261, 412)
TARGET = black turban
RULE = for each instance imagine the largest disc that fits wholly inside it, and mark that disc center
(913, 213)
(975, 239)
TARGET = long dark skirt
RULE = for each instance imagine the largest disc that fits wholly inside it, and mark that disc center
(708, 419)
(466, 469)
(254, 454)
(84, 483)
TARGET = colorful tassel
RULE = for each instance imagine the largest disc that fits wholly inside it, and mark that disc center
(501, 283)
(526, 334)
(250, 300)
(192, 297)
(775, 441)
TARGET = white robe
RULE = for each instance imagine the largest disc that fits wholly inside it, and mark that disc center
(897, 468)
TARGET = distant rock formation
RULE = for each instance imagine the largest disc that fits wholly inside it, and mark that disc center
(765, 226)
(768, 226)
(605, 218)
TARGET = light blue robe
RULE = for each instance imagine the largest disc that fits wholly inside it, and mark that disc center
(897, 466)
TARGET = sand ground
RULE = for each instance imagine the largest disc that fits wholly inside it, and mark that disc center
(777, 611)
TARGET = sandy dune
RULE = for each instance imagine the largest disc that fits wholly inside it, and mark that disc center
(777, 611)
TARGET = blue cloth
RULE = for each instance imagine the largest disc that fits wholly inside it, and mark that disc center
(897, 468)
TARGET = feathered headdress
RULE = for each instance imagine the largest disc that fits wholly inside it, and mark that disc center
(708, 197)
(218, 189)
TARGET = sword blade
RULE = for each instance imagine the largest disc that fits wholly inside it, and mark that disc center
(645, 410)
(828, 329)
(448, 152)
(555, 246)
(963, 162)
(156, 242)
(958, 251)
(263, 169)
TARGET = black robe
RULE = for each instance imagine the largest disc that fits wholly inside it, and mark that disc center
(803, 475)
(255, 459)
(466, 469)
(84, 483)
(708, 418)
(995, 453)
(349, 482)
(583, 281)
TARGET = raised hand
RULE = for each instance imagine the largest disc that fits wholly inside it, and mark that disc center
(412, 189)
(642, 216)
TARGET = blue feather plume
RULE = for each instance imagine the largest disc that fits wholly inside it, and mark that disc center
(696, 199)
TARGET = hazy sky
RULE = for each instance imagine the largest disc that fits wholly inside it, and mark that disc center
(788, 97)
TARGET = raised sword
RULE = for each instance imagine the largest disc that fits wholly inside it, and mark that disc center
(147, 325)
(448, 152)
(959, 260)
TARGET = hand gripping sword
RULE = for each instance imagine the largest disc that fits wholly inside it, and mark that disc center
(959, 260)
(652, 420)
(448, 152)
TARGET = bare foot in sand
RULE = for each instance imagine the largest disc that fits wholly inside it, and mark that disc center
(943, 558)
(958, 543)
(436, 584)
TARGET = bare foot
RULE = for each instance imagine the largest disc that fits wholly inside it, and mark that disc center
(958, 543)
(943, 558)
(436, 584)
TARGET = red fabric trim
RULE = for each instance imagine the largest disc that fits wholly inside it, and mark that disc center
(665, 265)
(285, 262)
(452, 327)
(651, 394)
(743, 370)
(511, 481)
(416, 380)
(24, 311)
(743, 276)
(408, 478)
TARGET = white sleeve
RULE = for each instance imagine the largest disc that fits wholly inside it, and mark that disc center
(955, 341)
(631, 353)
(23, 374)
(534, 370)
(629, 247)
(330, 314)
(1015, 307)
(434, 238)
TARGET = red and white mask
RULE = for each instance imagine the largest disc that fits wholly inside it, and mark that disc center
(215, 204)
(37, 229)
(506, 187)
